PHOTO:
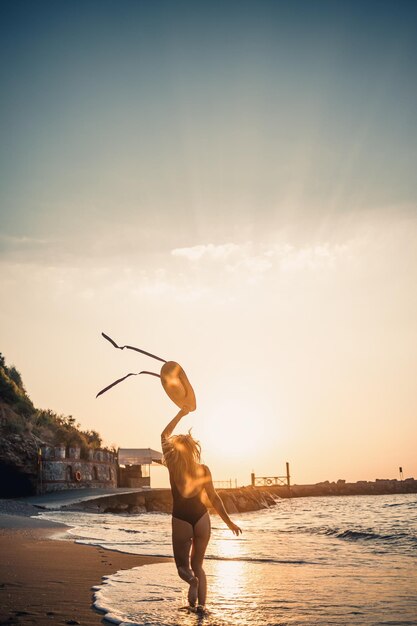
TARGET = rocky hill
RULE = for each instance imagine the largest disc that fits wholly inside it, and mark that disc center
(24, 428)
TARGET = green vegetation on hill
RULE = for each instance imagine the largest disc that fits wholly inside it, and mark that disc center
(18, 416)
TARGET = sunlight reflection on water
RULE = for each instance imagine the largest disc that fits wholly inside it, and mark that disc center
(253, 594)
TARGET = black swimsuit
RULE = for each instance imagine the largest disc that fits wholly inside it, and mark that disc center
(187, 509)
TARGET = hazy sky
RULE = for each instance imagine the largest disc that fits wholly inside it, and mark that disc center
(231, 185)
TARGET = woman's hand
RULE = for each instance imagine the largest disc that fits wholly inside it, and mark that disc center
(167, 432)
(235, 529)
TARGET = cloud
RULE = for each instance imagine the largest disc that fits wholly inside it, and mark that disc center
(310, 258)
(252, 264)
(251, 259)
(12, 242)
(208, 251)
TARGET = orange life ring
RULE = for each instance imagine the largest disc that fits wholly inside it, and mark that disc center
(268, 481)
(77, 476)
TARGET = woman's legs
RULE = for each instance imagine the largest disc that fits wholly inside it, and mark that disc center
(202, 530)
(182, 539)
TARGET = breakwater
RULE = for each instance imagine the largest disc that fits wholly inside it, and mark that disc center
(160, 500)
(242, 499)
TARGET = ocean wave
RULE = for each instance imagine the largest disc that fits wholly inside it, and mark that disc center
(248, 559)
(363, 535)
(355, 535)
(410, 505)
(168, 555)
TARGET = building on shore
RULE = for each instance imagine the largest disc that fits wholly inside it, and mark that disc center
(61, 467)
(134, 466)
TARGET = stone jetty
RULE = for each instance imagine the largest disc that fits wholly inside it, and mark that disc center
(243, 499)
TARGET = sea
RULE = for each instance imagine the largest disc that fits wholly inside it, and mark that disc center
(349, 560)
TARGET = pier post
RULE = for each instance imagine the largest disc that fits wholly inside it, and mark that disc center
(288, 474)
(252, 479)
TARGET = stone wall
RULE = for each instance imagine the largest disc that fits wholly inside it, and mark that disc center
(62, 469)
(160, 500)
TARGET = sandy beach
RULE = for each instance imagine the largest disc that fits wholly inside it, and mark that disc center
(47, 581)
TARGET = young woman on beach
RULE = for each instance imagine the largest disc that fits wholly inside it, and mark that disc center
(190, 519)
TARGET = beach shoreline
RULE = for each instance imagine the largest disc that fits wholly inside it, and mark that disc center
(44, 580)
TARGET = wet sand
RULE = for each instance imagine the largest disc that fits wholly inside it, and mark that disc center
(44, 581)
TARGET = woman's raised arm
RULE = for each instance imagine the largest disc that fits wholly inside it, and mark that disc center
(217, 503)
(167, 432)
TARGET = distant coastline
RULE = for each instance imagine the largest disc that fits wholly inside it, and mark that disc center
(380, 486)
(244, 498)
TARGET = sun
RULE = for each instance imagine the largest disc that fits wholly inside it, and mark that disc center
(232, 430)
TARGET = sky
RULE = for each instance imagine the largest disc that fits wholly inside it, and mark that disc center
(231, 186)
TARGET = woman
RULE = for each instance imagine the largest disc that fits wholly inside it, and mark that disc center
(190, 518)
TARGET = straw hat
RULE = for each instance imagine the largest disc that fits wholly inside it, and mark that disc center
(177, 386)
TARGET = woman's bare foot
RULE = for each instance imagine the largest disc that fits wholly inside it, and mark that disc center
(201, 610)
(193, 591)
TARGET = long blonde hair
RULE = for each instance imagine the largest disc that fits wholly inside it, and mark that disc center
(182, 457)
